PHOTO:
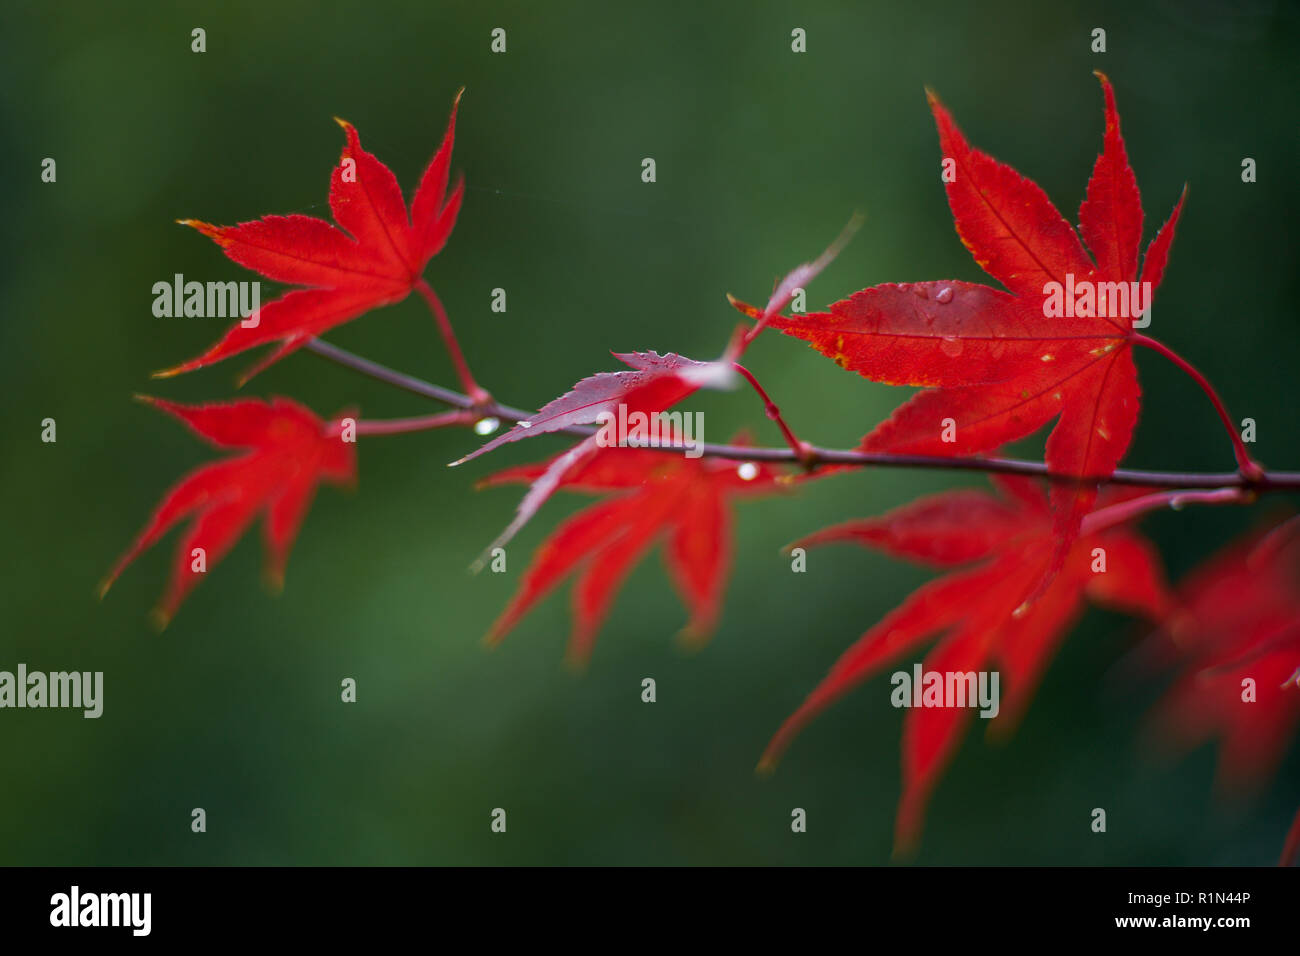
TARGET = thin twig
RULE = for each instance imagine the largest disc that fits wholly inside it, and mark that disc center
(1267, 481)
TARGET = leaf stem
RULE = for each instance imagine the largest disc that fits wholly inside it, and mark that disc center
(1249, 468)
(1123, 511)
(802, 450)
(1267, 481)
(477, 394)
(419, 423)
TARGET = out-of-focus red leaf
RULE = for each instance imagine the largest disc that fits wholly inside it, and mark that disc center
(289, 452)
(1003, 544)
(1291, 848)
(1239, 622)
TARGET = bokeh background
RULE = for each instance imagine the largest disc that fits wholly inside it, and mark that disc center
(762, 156)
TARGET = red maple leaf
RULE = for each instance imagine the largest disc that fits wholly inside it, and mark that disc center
(995, 367)
(1005, 543)
(290, 452)
(651, 495)
(373, 257)
(1238, 636)
(656, 382)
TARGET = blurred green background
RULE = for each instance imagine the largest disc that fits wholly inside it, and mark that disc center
(762, 155)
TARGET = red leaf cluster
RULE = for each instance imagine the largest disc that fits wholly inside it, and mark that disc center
(995, 365)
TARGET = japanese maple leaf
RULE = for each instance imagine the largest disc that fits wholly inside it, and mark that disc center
(999, 544)
(994, 366)
(374, 256)
(290, 451)
(655, 383)
(651, 495)
(1238, 636)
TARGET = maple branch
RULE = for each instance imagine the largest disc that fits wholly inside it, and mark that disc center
(478, 395)
(1245, 463)
(802, 450)
(1267, 481)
